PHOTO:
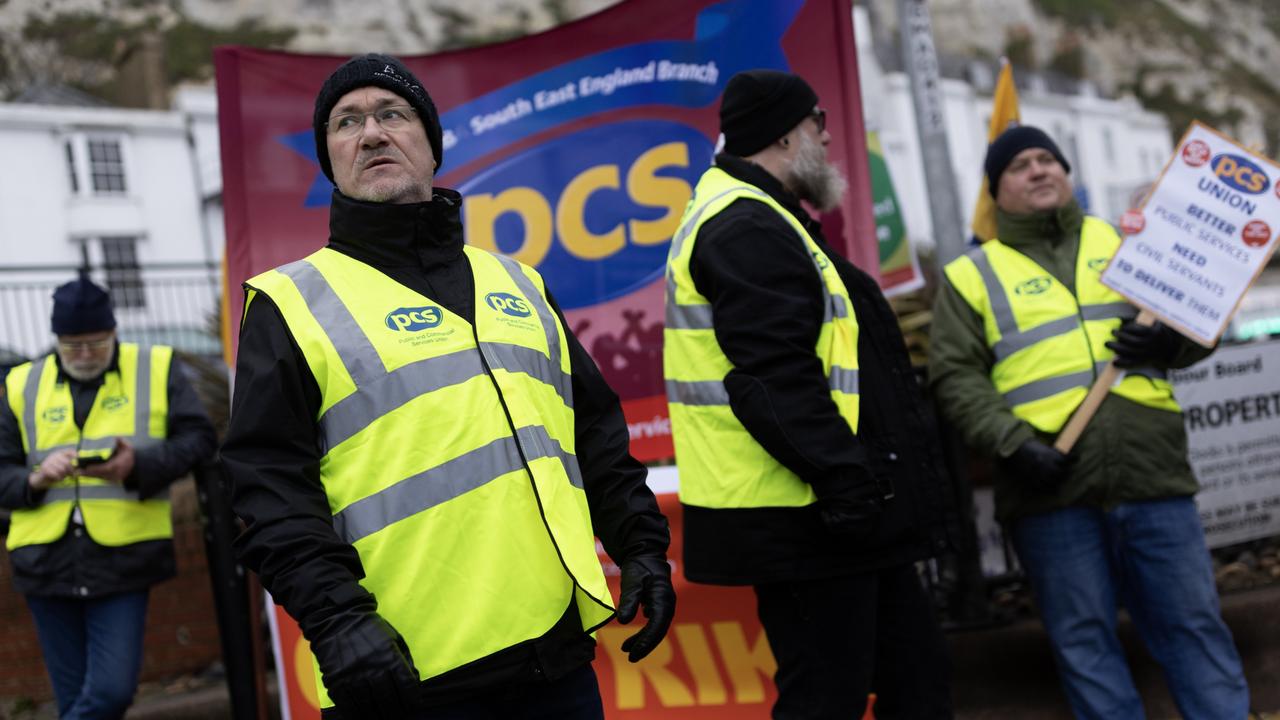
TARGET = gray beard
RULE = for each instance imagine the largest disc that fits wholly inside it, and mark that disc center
(815, 180)
(82, 375)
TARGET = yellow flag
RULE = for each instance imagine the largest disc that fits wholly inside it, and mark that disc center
(1004, 114)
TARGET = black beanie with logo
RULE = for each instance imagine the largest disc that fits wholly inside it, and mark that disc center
(374, 70)
(1009, 143)
(81, 307)
(760, 106)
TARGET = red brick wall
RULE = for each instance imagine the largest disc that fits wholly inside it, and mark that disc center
(182, 630)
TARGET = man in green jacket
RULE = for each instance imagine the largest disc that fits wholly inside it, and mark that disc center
(1022, 325)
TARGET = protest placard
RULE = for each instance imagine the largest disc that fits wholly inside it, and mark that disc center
(1193, 247)
(1203, 235)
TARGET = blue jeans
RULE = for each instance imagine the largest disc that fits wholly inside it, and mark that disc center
(93, 651)
(1150, 556)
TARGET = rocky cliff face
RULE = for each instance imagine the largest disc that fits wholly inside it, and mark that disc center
(107, 47)
(1213, 60)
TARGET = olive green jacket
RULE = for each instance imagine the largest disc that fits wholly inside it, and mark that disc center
(1128, 452)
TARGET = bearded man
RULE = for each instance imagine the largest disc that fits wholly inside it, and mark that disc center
(809, 461)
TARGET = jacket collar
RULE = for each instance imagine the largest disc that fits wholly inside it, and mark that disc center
(1018, 231)
(387, 235)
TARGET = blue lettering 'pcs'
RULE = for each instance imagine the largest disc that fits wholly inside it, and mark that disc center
(1240, 173)
(594, 210)
(512, 305)
(1034, 286)
(414, 319)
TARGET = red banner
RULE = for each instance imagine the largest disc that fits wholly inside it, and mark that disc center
(576, 151)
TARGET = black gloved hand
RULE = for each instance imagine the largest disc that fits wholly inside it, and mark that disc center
(646, 581)
(1038, 464)
(1144, 345)
(850, 505)
(366, 667)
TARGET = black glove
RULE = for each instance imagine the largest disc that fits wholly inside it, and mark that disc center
(646, 580)
(1144, 345)
(1038, 464)
(849, 505)
(366, 667)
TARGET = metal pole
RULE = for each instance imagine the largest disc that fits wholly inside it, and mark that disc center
(921, 61)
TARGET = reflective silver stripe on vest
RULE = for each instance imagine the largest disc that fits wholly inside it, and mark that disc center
(1000, 307)
(692, 317)
(435, 486)
(688, 317)
(844, 380)
(701, 392)
(90, 492)
(29, 393)
(555, 377)
(381, 396)
(1149, 373)
(521, 359)
(1048, 387)
(141, 394)
(1010, 343)
(354, 349)
(87, 445)
(1040, 389)
(837, 302)
(1108, 311)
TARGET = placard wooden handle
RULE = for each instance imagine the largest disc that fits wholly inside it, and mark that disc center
(1083, 414)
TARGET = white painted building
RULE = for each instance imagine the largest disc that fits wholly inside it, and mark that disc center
(116, 191)
(1115, 147)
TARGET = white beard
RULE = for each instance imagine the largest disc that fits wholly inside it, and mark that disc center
(84, 373)
(814, 179)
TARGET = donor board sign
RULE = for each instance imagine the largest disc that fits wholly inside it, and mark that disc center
(1231, 406)
(1203, 235)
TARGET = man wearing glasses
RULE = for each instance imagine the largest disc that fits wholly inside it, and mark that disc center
(422, 452)
(91, 437)
(809, 465)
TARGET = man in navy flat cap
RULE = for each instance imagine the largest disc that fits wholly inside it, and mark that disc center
(91, 437)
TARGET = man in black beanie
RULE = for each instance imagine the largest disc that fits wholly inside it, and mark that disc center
(1021, 326)
(91, 437)
(422, 452)
(809, 464)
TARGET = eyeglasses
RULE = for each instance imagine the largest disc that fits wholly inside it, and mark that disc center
(820, 117)
(93, 345)
(392, 117)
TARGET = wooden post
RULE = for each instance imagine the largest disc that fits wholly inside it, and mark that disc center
(1083, 414)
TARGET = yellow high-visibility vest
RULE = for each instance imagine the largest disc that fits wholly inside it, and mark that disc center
(1048, 343)
(448, 452)
(132, 403)
(721, 465)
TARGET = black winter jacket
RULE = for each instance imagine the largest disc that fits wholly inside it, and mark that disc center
(74, 565)
(766, 299)
(272, 452)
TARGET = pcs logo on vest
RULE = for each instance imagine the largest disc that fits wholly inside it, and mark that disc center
(414, 319)
(1098, 264)
(54, 414)
(1034, 286)
(114, 402)
(509, 304)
